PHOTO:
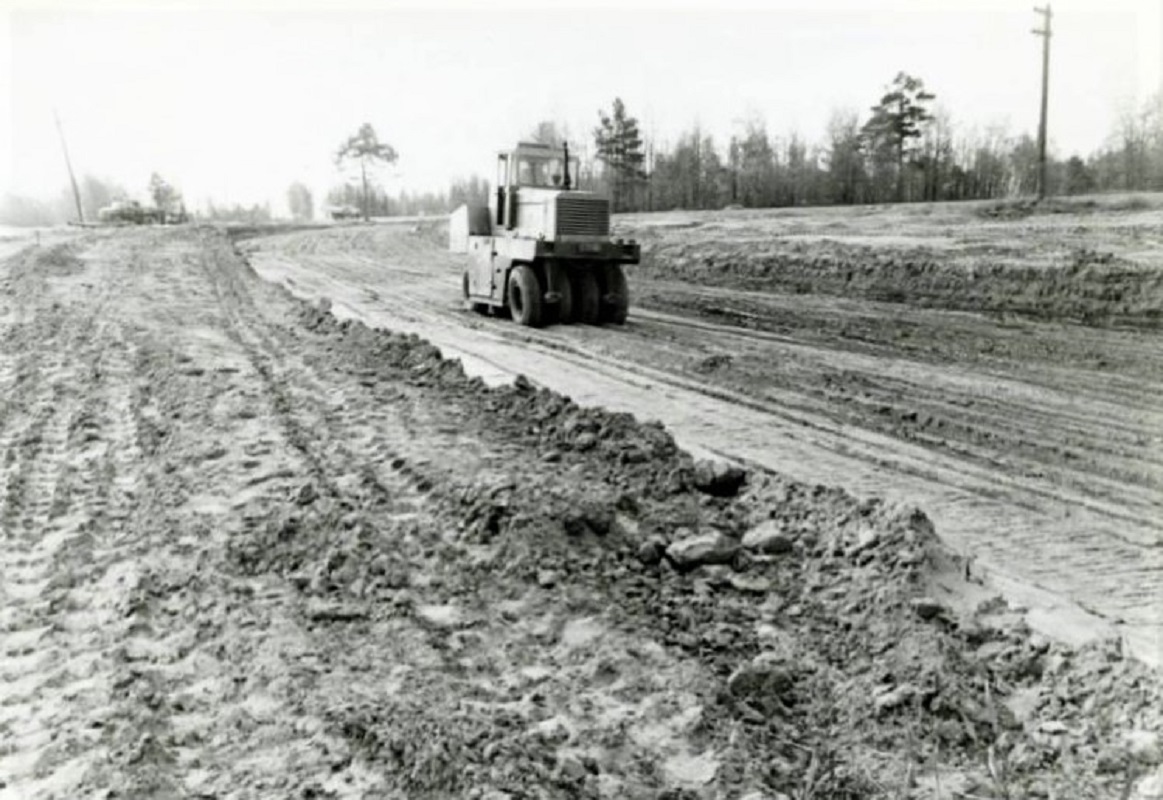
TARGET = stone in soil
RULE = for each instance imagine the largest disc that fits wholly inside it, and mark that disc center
(718, 479)
(768, 538)
(691, 552)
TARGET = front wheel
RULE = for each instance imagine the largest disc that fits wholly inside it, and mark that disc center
(525, 295)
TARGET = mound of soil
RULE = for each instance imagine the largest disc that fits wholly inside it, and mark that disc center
(1082, 285)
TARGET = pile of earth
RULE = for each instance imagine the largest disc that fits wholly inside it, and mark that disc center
(1027, 207)
(1082, 285)
(843, 671)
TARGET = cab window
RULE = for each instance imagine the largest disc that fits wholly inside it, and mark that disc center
(545, 172)
(533, 172)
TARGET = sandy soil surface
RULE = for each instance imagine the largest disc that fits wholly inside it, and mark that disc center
(1034, 444)
(251, 550)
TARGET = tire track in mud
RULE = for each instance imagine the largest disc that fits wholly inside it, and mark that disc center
(319, 417)
(1005, 412)
(191, 720)
(58, 630)
(353, 449)
(185, 680)
(223, 710)
(30, 550)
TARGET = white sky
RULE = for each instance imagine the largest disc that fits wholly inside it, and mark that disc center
(236, 105)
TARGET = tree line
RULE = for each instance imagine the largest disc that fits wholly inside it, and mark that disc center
(901, 151)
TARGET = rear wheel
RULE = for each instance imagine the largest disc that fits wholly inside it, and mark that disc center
(525, 295)
(558, 280)
(587, 296)
(616, 298)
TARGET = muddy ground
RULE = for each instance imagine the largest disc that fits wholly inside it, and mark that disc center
(254, 550)
(1033, 442)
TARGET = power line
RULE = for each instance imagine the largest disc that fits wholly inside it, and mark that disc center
(1044, 32)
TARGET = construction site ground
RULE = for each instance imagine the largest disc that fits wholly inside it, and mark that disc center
(1034, 443)
(261, 537)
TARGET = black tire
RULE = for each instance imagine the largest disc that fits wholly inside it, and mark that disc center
(525, 296)
(587, 296)
(616, 295)
(563, 310)
(480, 308)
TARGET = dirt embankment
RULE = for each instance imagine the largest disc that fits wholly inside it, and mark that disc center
(250, 548)
(1093, 270)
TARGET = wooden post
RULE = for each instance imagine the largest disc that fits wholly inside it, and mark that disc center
(69, 165)
(1044, 32)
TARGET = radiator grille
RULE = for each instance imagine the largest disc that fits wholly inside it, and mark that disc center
(582, 216)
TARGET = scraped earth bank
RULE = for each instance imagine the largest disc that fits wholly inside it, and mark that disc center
(1081, 262)
(252, 550)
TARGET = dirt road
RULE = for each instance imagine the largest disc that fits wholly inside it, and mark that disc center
(1034, 445)
(249, 550)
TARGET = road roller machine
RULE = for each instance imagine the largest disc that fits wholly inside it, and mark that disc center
(541, 249)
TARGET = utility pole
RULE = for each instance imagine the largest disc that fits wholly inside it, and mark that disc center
(1044, 32)
(69, 164)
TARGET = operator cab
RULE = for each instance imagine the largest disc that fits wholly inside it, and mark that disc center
(533, 166)
(539, 166)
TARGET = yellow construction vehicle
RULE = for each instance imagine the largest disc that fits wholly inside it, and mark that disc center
(541, 249)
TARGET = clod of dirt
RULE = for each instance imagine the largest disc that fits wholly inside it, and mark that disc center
(767, 537)
(652, 551)
(765, 677)
(320, 610)
(691, 552)
(927, 608)
(715, 362)
(718, 479)
(307, 494)
(590, 518)
(893, 697)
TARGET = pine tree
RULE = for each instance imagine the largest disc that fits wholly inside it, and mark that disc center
(365, 149)
(896, 121)
(620, 148)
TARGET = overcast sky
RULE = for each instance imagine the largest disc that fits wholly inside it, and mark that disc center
(236, 105)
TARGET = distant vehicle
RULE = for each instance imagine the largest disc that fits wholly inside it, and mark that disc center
(541, 249)
(345, 212)
(176, 216)
(129, 212)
